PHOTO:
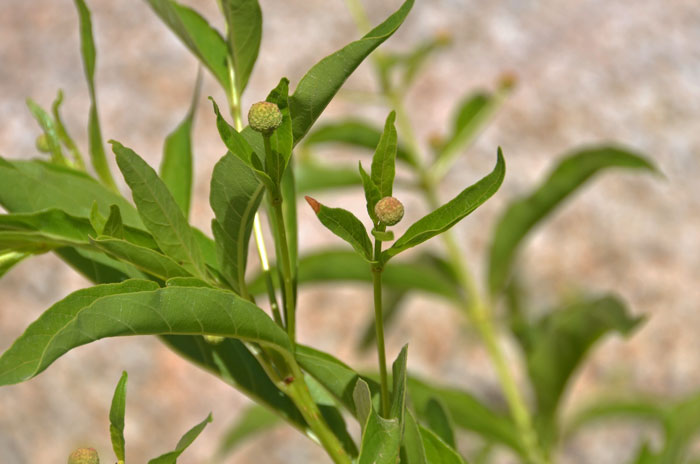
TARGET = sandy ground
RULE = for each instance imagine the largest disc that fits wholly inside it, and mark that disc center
(590, 71)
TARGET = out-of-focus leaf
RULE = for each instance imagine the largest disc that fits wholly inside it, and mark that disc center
(176, 165)
(235, 197)
(9, 259)
(116, 418)
(253, 421)
(333, 265)
(384, 158)
(345, 225)
(159, 211)
(524, 214)
(467, 412)
(352, 132)
(62, 132)
(451, 212)
(185, 441)
(683, 424)
(322, 81)
(438, 420)
(633, 409)
(244, 21)
(89, 54)
(136, 307)
(561, 341)
(193, 30)
(312, 176)
(49, 127)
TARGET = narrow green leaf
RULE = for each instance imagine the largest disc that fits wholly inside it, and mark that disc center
(234, 141)
(312, 176)
(96, 266)
(89, 54)
(197, 35)
(235, 197)
(328, 406)
(437, 451)
(332, 265)
(282, 140)
(345, 225)
(562, 339)
(116, 418)
(355, 133)
(381, 438)
(66, 189)
(49, 127)
(113, 226)
(62, 132)
(176, 165)
(145, 259)
(683, 425)
(322, 81)
(372, 193)
(252, 421)
(398, 393)
(384, 158)
(96, 219)
(451, 212)
(244, 21)
(136, 307)
(159, 211)
(467, 411)
(183, 444)
(524, 214)
(438, 420)
(412, 450)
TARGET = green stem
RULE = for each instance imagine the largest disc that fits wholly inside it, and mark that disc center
(379, 324)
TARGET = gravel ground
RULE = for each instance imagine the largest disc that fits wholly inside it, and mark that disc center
(589, 71)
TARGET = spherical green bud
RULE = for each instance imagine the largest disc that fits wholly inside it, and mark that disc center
(42, 144)
(264, 117)
(84, 456)
(389, 211)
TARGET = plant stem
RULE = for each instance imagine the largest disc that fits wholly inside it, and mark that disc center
(377, 269)
(286, 269)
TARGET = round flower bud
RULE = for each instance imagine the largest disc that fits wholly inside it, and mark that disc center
(84, 456)
(42, 144)
(264, 117)
(389, 211)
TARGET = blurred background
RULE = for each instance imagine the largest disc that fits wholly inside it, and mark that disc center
(588, 71)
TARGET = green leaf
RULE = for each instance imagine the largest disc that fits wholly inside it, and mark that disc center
(438, 420)
(332, 265)
(328, 407)
(49, 127)
(136, 307)
(235, 197)
(254, 420)
(62, 132)
(66, 189)
(436, 450)
(197, 35)
(412, 450)
(282, 140)
(322, 81)
(116, 418)
(381, 438)
(345, 225)
(683, 424)
(159, 211)
(451, 212)
(633, 409)
(524, 214)
(244, 21)
(113, 225)
(9, 259)
(561, 341)
(384, 158)
(372, 193)
(145, 259)
(96, 266)
(353, 132)
(312, 176)
(176, 165)
(185, 441)
(467, 411)
(89, 54)
(398, 393)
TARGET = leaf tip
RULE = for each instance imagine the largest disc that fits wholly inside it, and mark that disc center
(315, 205)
